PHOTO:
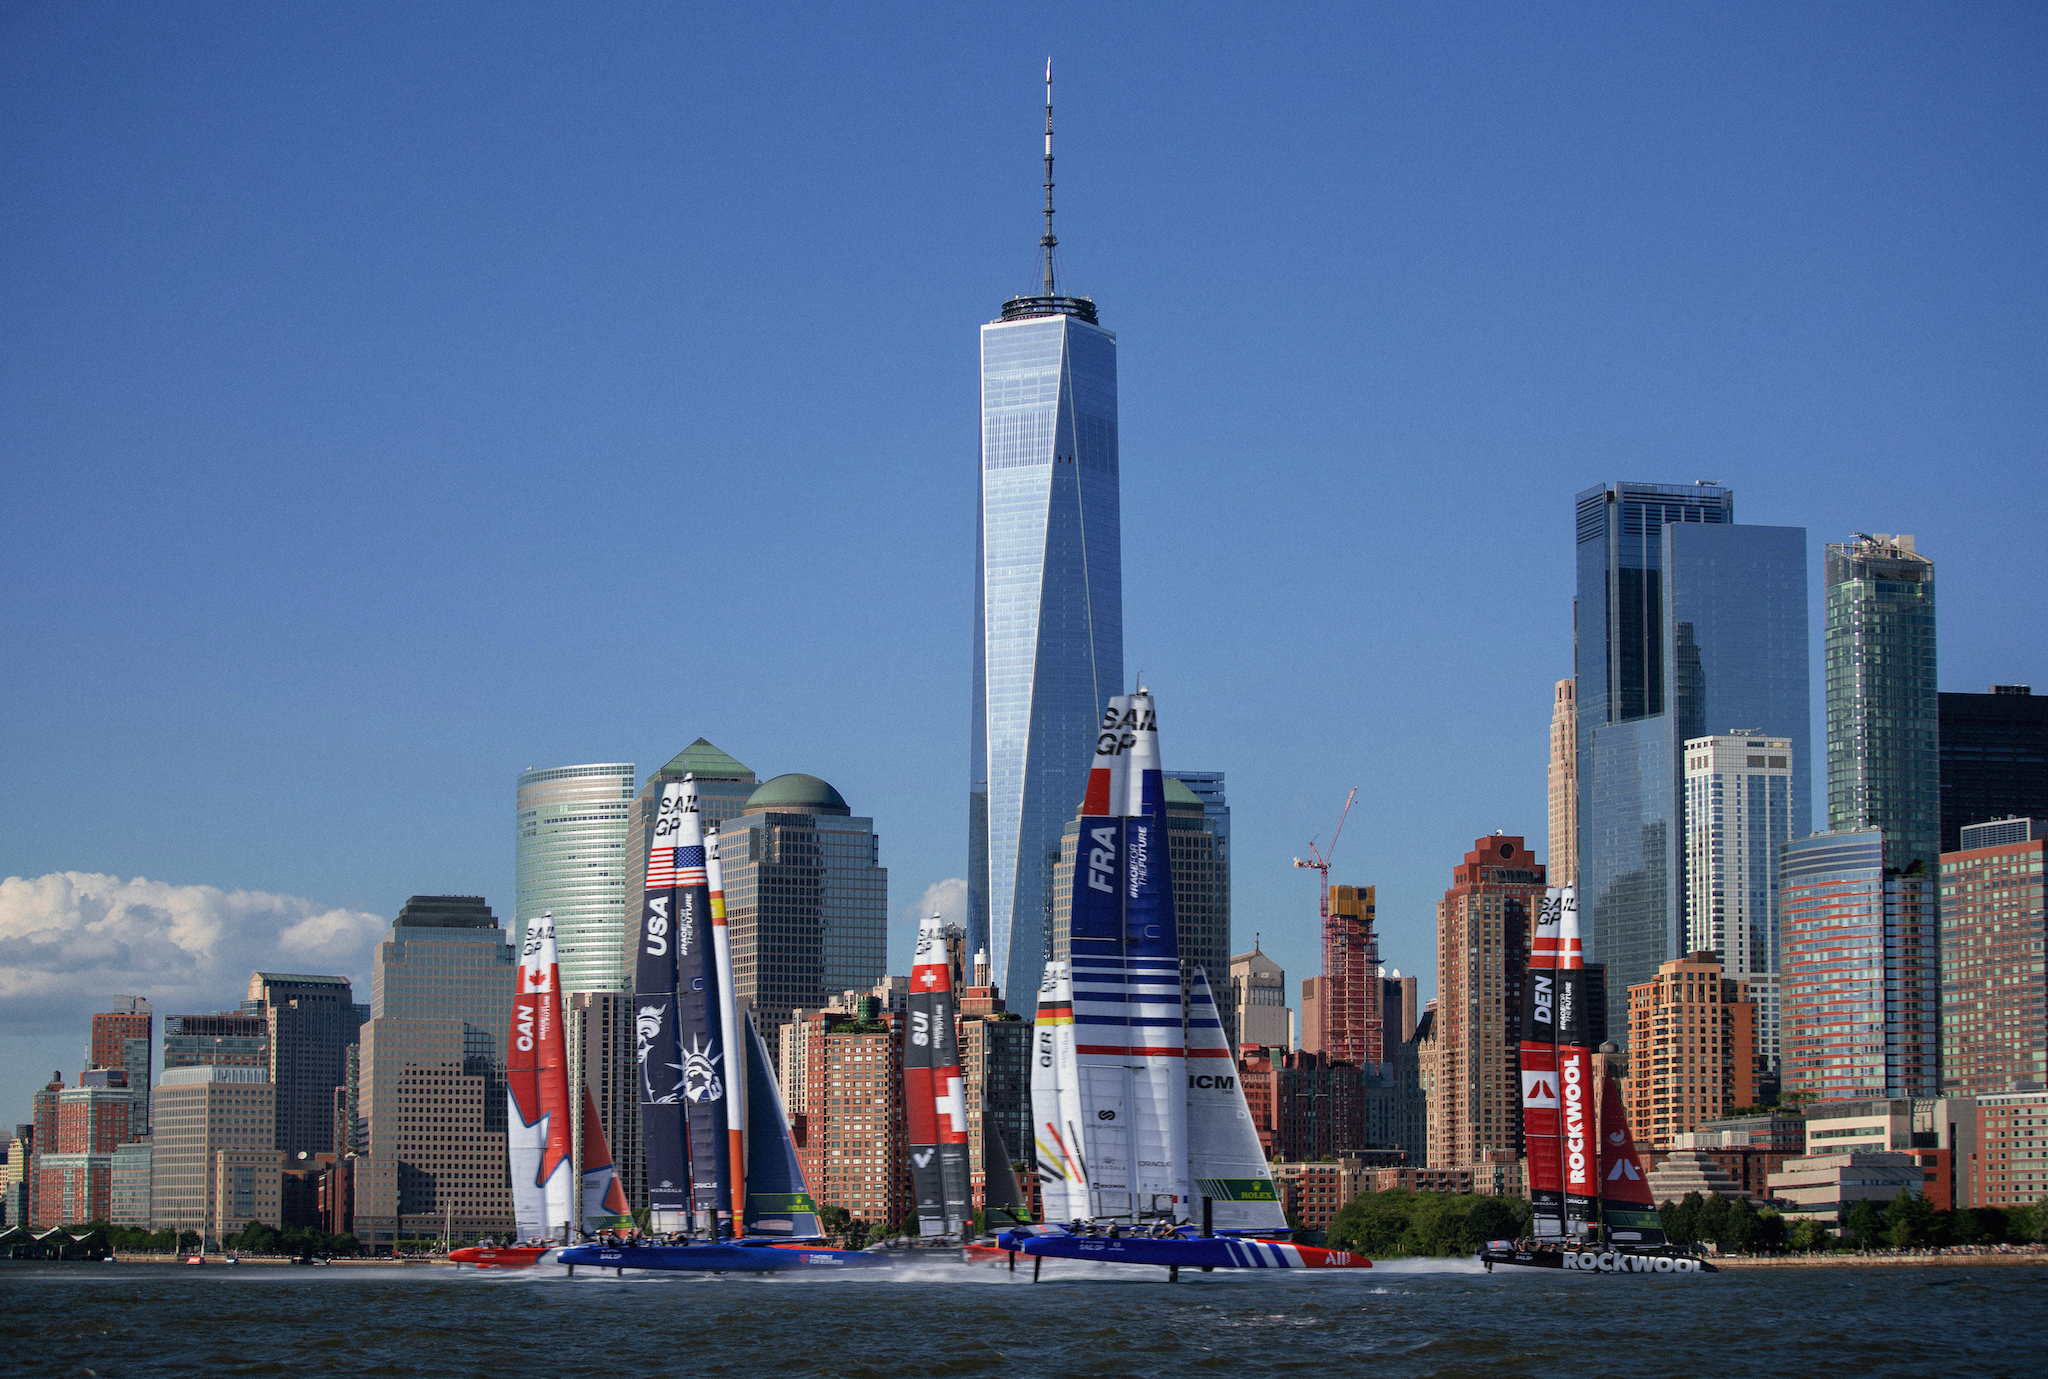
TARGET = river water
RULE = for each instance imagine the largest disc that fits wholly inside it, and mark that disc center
(1402, 1318)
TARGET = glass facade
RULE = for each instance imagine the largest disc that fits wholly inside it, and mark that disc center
(1859, 973)
(571, 861)
(1738, 815)
(446, 959)
(1994, 928)
(1048, 632)
(1686, 624)
(1884, 717)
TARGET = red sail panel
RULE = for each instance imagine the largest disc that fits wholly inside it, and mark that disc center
(1540, 1100)
(1626, 1205)
(604, 1199)
(1574, 1075)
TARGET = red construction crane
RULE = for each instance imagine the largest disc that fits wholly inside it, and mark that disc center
(1320, 861)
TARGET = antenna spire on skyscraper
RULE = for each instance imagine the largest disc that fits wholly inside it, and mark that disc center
(1049, 240)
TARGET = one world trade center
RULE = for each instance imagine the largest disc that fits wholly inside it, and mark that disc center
(1048, 594)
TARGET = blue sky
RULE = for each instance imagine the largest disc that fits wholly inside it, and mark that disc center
(401, 396)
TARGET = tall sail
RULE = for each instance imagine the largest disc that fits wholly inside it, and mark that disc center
(1062, 1177)
(654, 1019)
(1099, 1088)
(1002, 1196)
(1540, 1101)
(1152, 966)
(777, 1201)
(1225, 1161)
(729, 1032)
(537, 1089)
(700, 1023)
(1626, 1205)
(1575, 1074)
(604, 1200)
(935, 1100)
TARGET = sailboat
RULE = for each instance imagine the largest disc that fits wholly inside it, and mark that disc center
(538, 1123)
(934, 1093)
(1145, 1145)
(725, 1188)
(1593, 1212)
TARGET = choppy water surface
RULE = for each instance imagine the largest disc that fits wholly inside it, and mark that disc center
(1403, 1318)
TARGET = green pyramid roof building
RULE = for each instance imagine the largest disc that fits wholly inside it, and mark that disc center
(705, 762)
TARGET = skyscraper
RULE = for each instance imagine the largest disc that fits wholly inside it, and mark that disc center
(571, 862)
(1860, 979)
(312, 1022)
(1349, 1027)
(1994, 758)
(1048, 593)
(1564, 783)
(806, 899)
(1738, 814)
(1258, 991)
(1884, 754)
(1994, 926)
(1695, 1043)
(1686, 624)
(122, 1037)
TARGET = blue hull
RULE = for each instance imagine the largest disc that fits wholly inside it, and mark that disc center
(719, 1258)
(1199, 1252)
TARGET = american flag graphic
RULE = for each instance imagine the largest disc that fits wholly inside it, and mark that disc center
(668, 867)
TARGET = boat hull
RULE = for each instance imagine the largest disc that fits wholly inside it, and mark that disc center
(1596, 1261)
(1201, 1252)
(501, 1256)
(720, 1258)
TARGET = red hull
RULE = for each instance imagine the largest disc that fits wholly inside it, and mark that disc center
(499, 1256)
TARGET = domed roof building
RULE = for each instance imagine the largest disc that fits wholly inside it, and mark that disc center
(797, 793)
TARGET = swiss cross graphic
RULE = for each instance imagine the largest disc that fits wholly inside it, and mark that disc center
(928, 978)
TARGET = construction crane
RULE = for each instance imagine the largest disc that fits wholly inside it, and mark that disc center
(1320, 861)
(1343, 1015)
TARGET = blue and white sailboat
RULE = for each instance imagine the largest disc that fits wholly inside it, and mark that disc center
(1145, 1145)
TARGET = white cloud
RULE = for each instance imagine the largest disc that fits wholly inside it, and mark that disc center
(946, 898)
(70, 940)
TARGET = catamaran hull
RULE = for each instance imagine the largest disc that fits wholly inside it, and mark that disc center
(503, 1256)
(1595, 1262)
(1211, 1252)
(721, 1258)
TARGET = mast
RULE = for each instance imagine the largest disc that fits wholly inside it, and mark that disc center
(654, 1024)
(1575, 1074)
(538, 1139)
(1152, 956)
(701, 998)
(1049, 240)
(935, 1100)
(735, 1085)
(1540, 1101)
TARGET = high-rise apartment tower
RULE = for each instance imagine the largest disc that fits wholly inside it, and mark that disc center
(1048, 604)
(1884, 719)
(1994, 926)
(1738, 815)
(1564, 783)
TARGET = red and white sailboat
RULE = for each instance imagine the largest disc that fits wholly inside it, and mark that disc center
(546, 1200)
(1592, 1205)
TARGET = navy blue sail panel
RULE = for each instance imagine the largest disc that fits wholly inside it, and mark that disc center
(1095, 938)
(778, 1202)
(660, 1065)
(1151, 937)
(699, 1026)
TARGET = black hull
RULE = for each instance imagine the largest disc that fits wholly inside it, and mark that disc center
(1606, 1261)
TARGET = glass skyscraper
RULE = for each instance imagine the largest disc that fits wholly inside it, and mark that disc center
(1048, 626)
(1884, 716)
(571, 861)
(1686, 625)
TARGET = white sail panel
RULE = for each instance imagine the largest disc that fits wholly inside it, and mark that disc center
(1225, 1162)
(1060, 1187)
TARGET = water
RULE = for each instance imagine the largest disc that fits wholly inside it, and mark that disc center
(1402, 1318)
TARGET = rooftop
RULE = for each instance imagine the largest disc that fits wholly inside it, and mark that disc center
(797, 793)
(706, 762)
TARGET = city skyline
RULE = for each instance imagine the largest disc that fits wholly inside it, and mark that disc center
(1343, 367)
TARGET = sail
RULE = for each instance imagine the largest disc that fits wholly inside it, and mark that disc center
(1002, 1196)
(654, 1024)
(604, 1200)
(1152, 975)
(1575, 1074)
(537, 1090)
(1225, 1162)
(729, 1033)
(777, 1202)
(935, 1101)
(1626, 1206)
(1097, 1093)
(1540, 1101)
(1062, 1181)
(700, 1023)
